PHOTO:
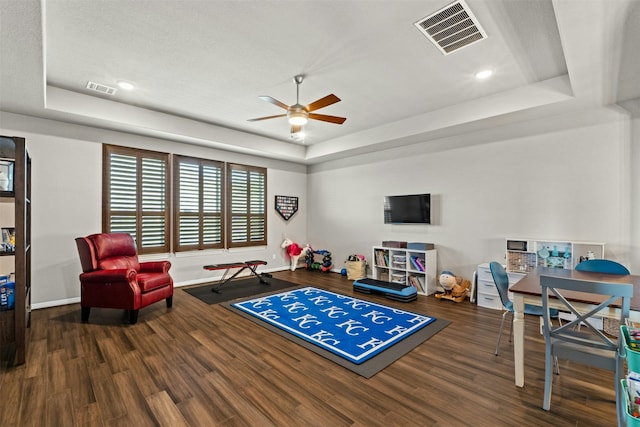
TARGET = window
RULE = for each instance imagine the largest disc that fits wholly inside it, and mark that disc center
(214, 205)
(135, 196)
(246, 206)
(198, 203)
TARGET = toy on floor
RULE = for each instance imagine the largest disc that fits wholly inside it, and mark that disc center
(312, 264)
(294, 251)
(455, 288)
(356, 266)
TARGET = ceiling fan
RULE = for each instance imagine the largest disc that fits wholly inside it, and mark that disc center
(298, 114)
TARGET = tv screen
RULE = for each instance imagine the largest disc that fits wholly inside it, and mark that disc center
(409, 209)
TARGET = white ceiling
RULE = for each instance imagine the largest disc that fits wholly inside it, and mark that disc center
(199, 67)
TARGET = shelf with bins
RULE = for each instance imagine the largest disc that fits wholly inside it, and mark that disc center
(14, 322)
(523, 255)
(406, 266)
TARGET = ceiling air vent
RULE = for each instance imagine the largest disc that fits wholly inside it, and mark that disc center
(452, 27)
(104, 89)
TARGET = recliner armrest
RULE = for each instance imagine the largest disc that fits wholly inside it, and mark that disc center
(155, 267)
(105, 276)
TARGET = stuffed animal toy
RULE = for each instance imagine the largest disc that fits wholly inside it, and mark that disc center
(455, 288)
(294, 252)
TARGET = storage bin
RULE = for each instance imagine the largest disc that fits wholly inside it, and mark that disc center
(420, 246)
(394, 244)
(631, 420)
(7, 297)
(633, 356)
(398, 278)
(356, 270)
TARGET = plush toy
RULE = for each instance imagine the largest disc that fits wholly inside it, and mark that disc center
(294, 251)
(455, 288)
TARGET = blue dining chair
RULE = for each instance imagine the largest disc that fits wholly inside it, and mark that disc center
(602, 266)
(501, 279)
(610, 326)
(590, 347)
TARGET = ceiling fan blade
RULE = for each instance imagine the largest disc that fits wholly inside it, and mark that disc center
(274, 101)
(325, 118)
(265, 118)
(296, 128)
(322, 102)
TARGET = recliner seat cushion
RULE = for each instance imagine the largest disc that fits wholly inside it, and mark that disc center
(150, 281)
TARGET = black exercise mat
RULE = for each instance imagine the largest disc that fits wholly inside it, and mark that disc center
(235, 289)
(370, 367)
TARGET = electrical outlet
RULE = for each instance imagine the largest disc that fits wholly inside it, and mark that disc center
(273, 256)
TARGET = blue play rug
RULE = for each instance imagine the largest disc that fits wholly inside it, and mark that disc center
(351, 328)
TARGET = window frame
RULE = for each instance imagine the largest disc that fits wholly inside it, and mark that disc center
(231, 168)
(177, 214)
(107, 212)
(256, 214)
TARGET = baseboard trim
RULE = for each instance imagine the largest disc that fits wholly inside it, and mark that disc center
(76, 300)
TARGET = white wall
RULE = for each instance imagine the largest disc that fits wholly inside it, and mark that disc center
(635, 192)
(553, 183)
(565, 177)
(66, 203)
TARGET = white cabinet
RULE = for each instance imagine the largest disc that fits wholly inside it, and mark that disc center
(487, 292)
(406, 266)
(524, 255)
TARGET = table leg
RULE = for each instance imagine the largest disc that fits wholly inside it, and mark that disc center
(518, 339)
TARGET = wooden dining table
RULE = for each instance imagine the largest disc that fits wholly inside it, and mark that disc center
(528, 291)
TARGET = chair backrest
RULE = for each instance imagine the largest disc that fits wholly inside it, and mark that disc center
(602, 266)
(107, 251)
(501, 279)
(553, 287)
(87, 254)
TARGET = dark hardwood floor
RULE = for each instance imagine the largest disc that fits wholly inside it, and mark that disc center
(202, 365)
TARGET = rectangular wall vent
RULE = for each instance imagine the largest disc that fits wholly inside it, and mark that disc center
(452, 27)
(104, 89)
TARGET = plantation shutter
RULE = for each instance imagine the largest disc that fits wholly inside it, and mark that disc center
(135, 196)
(246, 206)
(198, 203)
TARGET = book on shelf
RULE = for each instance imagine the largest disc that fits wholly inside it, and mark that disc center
(418, 263)
(382, 259)
(417, 283)
(633, 330)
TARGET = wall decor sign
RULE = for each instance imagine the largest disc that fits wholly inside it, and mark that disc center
(286, 206)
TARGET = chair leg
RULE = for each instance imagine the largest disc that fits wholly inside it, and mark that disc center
(84, 313)
(548, 378)
(133, 316)
(500, 332)
(511, 328)
(169, 301)
(620, 407)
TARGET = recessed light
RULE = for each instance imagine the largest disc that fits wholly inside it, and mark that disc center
(484, 74)
(122, 84)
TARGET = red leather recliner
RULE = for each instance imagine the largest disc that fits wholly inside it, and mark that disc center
(114, 278)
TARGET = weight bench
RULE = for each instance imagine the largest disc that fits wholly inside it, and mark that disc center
(241, 266)
(393, 291)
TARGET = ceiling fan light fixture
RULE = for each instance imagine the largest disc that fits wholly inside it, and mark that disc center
(298, 116)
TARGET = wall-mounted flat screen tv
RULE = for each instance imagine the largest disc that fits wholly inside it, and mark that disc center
(409, 209)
